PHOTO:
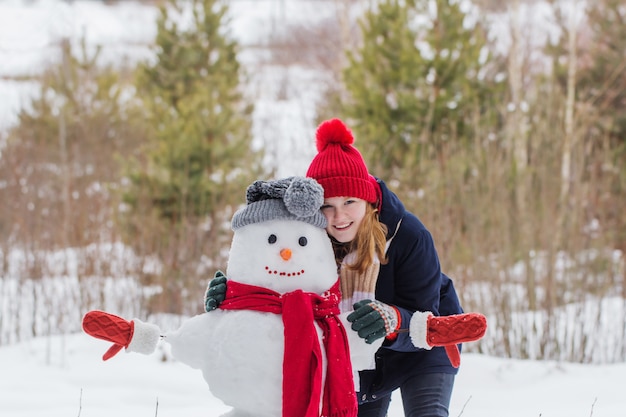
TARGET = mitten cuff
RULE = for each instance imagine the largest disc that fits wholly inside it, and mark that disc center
(418, 329)
(145, 337)
(390, 316)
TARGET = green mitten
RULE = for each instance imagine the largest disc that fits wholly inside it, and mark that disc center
(215, 292)
(373, 319)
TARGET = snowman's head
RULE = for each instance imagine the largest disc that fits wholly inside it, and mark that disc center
(280, 241)
(283, 255)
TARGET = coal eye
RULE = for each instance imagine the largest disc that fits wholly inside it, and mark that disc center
(272, 239)
(302, 241)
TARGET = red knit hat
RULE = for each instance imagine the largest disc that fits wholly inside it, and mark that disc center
(338, 166)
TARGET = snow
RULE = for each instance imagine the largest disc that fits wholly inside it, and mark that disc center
(65, 376)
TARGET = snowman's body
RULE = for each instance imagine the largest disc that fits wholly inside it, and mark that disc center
(240, 352)
(240, 355)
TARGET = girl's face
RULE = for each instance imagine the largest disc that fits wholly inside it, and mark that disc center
(344, 215)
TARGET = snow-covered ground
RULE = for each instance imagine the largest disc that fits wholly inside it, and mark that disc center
(65, 376)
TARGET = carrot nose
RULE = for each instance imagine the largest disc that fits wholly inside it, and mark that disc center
(285, 254)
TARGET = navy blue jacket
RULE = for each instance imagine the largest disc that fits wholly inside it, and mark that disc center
(412, 281)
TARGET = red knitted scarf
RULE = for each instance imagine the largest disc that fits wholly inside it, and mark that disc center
(302, 362)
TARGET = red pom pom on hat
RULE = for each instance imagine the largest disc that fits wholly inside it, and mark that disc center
(339, 166)
(332, 131)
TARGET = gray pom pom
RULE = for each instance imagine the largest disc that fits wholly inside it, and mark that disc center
(303, 197)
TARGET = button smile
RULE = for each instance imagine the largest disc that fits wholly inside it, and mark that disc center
(282, 273)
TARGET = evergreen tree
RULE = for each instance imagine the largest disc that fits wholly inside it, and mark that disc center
(200, 158)
(201, 151)
(417, 85)
(603, 77)
(601, 69)
(387, 90)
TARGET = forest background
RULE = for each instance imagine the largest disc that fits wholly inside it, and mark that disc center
(118, 177)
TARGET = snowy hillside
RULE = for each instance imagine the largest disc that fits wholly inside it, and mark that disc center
(30, 32)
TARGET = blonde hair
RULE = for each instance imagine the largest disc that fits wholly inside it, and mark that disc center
(368, 244)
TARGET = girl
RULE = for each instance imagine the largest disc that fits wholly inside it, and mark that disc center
(384, 253)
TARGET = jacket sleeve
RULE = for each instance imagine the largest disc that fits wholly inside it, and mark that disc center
(417, 279)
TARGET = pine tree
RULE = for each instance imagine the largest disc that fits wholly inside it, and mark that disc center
(202, 151)
(603, 77)
(200, 158)
(416, 85)
(386, 84)
(601, 69)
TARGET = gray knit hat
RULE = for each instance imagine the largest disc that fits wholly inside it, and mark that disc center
(293, 198)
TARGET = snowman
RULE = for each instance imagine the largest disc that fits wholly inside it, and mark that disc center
(278, 345)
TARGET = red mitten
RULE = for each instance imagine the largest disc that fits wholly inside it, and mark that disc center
(427, 330)
(458, 328)
(111, 328)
